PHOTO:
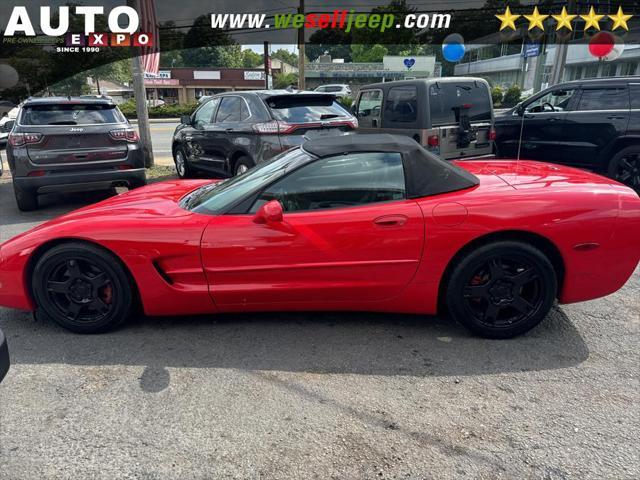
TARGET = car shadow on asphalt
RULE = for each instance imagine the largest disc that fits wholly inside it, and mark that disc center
(349, 343)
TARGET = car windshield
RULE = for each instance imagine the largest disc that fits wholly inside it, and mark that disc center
(216, 198)
(305, 108)
(70, 114)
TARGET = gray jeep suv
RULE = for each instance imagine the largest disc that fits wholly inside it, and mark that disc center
(71, 144)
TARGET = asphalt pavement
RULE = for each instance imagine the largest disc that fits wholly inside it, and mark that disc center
(327, 396)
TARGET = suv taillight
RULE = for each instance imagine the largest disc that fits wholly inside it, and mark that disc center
(492, 134)
(20, 139)
(273, 127)
(280, 127)
(125, 134)
(433, 140)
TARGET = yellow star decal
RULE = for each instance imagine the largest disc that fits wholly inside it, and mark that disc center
(620, 19)
(508, 20)
(535, 19)
(564, 19)
(592, 19)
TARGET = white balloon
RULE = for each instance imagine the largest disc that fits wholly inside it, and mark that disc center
(618, 48)
(8, 76)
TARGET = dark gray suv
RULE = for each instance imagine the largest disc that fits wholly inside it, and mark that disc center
(70, 144)
(231, 132)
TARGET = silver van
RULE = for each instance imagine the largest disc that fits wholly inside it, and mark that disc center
(450, 116)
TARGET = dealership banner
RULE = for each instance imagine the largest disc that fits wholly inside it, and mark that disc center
(45, 42)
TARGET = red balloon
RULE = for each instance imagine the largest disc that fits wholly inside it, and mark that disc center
(601, 44)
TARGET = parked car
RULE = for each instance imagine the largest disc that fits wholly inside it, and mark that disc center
(363, 222)
(4, 356)
(72, 144)
(6, 124)
(339, 90)
(450, 116)
(590, 123)
(232, 132)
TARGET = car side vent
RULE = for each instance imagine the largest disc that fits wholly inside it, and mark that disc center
(162, 273)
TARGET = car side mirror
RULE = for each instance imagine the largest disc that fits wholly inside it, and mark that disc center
(519, 109)
(185, 119)
(270, 212)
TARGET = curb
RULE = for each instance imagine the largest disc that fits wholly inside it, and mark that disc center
(134, 121)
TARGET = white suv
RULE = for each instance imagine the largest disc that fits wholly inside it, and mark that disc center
(339, 90)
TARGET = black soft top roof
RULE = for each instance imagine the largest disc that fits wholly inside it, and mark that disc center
(425, 174)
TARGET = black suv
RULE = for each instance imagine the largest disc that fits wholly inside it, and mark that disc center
(72, 144)
(592, 124)
(231, 132)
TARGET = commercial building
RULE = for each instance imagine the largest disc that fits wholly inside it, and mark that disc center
(529, 64)
(358, 74)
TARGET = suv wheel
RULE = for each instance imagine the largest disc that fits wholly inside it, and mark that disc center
(182, 164)
(625, 167)
(502, 289)
(27, 200)
(243, 164)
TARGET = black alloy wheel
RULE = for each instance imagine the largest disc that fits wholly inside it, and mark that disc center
(501, 290)
(625, 167)
(82, 287)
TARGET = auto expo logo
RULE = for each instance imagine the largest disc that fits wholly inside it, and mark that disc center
(123, 24)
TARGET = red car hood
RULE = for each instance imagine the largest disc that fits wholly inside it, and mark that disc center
(158, 199)
(520, 173)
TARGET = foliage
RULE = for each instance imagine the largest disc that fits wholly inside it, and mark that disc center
(283, 80)
(368, 53)
(511, 96)
(496, 95)
(251, 59)
(286, 56)
(227, 56)
(346, 102)
(336, 42)
(128, 108)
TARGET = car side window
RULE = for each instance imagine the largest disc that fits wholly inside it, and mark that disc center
(401, 105)
(232, 109)
(338, 182)
(604, 99)
(369, 105)
(554, 101)
(635, 95)
(203, 115)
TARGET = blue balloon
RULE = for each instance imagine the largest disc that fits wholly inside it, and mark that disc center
(453, 52)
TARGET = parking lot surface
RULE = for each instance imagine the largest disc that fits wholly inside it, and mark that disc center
(344, 396)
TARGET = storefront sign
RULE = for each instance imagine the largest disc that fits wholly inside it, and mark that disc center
(206, 75)
(254, 75)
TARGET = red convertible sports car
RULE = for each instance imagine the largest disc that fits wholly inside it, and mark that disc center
(361, 222)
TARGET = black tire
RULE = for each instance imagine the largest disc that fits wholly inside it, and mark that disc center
(625, 167)
(183, 169)
(82, 287)
(137, 183)
(242, 164)
(501, 289)
(26, 199)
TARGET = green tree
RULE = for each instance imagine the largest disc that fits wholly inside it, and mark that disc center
(286, 56)
(368, 53)
(511, 96)
(336, 42)
(283, 80)
(251, 59)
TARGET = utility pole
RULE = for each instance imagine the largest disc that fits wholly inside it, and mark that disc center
(140, 95)
(560, 58)
(267, 65)
(301, 82)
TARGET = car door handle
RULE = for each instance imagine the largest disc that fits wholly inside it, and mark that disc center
(391, 220)
(615, 117)
(228, 129)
